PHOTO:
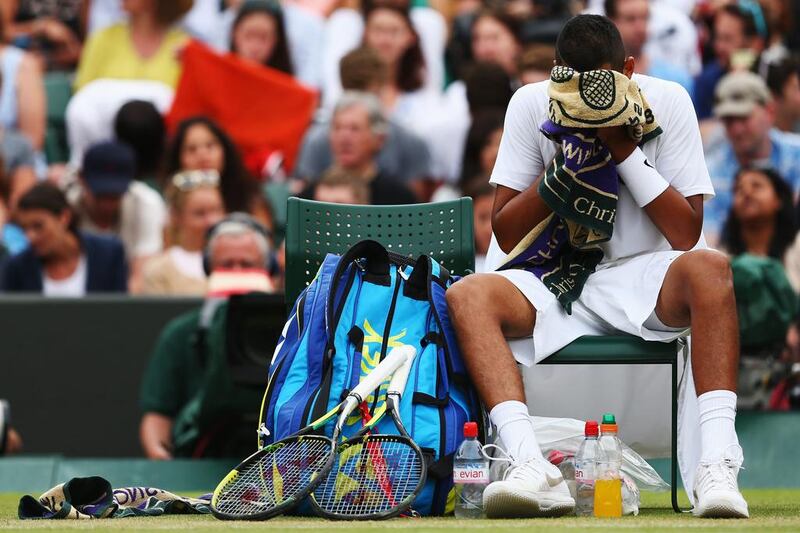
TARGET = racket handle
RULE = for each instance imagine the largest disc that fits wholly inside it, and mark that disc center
(394, 360)
(386, 368)
(398, 384)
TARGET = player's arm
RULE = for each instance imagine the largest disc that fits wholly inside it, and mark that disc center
(678, 218)
(516, 213)
(517, 205)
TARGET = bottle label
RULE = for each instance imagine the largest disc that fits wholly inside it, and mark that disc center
(584, 474)
(471, 473)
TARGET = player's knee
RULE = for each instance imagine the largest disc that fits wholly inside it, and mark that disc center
(465, 297)
(710, 273)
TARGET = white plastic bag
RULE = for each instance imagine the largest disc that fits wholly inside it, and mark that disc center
(566, 435)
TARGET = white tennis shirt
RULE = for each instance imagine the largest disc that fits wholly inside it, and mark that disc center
(677, 155)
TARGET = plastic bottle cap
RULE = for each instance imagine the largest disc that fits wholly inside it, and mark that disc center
(556, 457)
(470, 430)
(591, 429)
(608, 428)
(608, 418)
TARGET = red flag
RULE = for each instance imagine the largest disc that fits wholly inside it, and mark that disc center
(262, 109)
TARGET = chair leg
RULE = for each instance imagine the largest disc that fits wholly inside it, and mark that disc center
(674, 438)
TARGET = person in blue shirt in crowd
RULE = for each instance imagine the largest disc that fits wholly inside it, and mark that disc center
(739, 31)
(747, 111)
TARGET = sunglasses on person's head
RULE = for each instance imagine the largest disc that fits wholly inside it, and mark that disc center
(192, 179)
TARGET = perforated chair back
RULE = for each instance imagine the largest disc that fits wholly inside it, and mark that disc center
(442, 230)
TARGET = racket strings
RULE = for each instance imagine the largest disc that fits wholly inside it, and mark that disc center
(276, 477)
(370, 477)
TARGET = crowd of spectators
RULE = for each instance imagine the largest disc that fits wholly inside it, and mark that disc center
(183, 111)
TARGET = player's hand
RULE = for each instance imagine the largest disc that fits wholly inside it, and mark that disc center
(618, 142)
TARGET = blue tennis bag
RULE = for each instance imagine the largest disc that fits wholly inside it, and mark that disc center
(358, 307)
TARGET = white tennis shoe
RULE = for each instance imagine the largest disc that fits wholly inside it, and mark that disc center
(716, 491)
(531, 489)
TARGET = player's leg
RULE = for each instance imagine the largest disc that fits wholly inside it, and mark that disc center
(698, 291)
(485, 309)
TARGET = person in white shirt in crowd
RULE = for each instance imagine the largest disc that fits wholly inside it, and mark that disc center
(671, 34)
(195, 204)
(495, 41)
(91, 111)
(345, 30)
(107, 199)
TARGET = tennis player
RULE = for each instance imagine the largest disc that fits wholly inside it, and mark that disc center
(656, 280)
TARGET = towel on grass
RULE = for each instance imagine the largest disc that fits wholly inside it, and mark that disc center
(581, 184)
(92, 497)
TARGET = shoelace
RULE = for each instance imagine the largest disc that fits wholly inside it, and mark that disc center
(723, 473)
(516, 469)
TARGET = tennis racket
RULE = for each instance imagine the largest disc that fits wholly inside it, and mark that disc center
(277, 478)
(374, 476)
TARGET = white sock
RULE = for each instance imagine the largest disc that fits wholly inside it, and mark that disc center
(717, 430)
(515, 428)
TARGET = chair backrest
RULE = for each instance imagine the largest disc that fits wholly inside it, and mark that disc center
(442, 230)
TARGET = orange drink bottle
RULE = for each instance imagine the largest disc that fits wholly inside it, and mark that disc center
(608, 484)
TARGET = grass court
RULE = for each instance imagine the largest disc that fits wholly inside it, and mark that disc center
(770, 510)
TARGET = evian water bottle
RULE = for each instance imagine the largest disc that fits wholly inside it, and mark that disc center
(470, 474)
(585, 470)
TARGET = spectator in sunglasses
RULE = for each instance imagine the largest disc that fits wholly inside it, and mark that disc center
(195, 204)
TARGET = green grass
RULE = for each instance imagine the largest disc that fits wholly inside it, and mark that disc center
(770, 510)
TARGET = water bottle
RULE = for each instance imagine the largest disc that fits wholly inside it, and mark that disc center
(608, 481)
(585, 470)
(470, 474)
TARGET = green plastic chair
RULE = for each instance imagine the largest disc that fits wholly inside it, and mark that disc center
(444, 231)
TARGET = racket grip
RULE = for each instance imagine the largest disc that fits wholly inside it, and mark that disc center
(386, 368)
(400, 377)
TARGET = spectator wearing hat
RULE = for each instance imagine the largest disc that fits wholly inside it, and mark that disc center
(107, 199)
(61, 260)
(143, 48)
(747, 111)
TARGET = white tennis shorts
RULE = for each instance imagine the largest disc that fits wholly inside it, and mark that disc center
(618, 297)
